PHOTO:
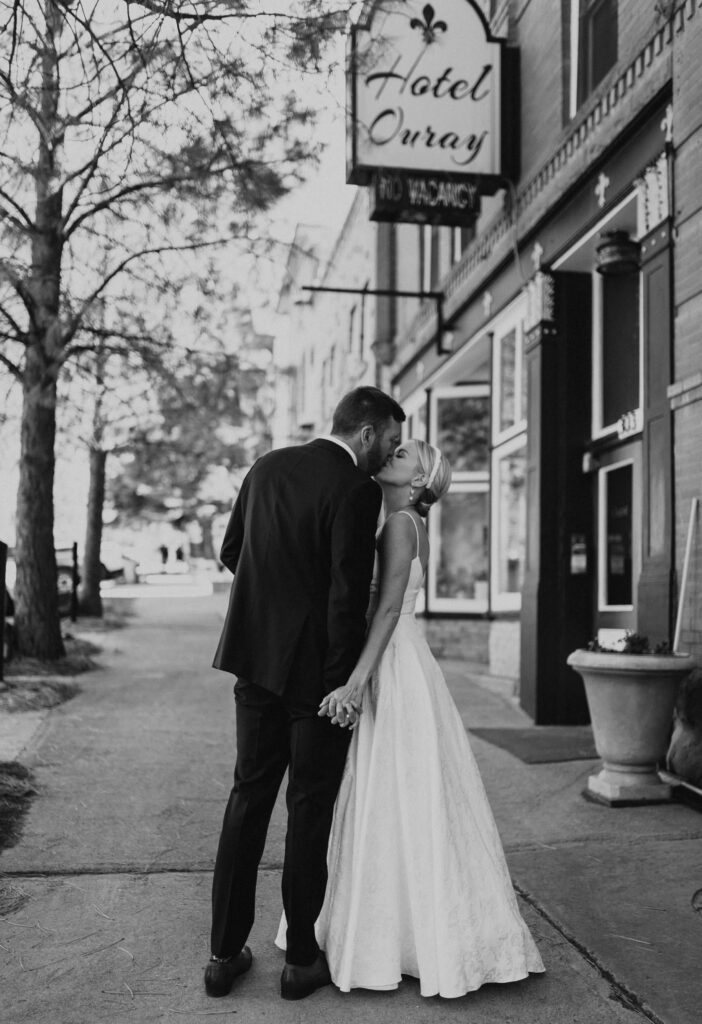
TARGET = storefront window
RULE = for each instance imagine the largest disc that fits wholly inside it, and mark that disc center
(508, 503)
(510, 382)
(462, 535)
(462, 432)
(524, 375)
(508, 369)
(510, 540)
(616, 521)
(459, 526)
(416, 424)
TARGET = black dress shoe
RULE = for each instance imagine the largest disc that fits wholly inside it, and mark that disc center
(297, 982)
(220, 973)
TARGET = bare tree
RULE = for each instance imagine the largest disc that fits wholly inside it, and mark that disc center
(106, 400)
(128, 130)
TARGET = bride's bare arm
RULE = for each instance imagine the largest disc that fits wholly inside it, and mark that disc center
(396, 550)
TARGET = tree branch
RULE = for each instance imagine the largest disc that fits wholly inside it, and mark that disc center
(26, 221)
(22, 103)
(76, 321)
(12, 367)
(8, 272)
(19, 334)
(102, 335)
(150, 185)
(165, 10)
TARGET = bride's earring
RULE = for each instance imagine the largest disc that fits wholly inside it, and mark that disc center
(411, 494)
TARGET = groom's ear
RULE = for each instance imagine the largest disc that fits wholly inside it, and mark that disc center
(367, 434)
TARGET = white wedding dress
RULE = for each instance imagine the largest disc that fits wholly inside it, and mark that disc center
(418, 882)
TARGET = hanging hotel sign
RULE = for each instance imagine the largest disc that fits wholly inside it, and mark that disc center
(415, 197)
(430, 93)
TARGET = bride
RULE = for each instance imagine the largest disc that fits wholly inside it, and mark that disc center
(418, 882)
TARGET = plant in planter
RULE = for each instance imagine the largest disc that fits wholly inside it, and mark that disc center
(631, 691)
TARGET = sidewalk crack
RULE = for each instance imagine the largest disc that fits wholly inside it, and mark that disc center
(619, 992)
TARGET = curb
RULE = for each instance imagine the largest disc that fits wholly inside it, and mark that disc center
(18, 730)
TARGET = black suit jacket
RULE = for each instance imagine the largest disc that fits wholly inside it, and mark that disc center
(300, 542)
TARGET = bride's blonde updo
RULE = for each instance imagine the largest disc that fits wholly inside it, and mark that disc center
(438, 472)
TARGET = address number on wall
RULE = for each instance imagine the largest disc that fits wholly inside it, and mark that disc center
(629, 423)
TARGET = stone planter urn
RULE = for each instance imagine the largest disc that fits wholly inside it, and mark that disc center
(631, 699)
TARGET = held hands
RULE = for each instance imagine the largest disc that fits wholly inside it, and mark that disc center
(343, 705)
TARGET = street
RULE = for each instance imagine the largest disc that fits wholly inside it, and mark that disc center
(106, 895)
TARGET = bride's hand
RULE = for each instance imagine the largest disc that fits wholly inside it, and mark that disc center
(343, 705)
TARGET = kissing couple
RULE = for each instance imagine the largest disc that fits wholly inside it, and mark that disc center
(393, 863)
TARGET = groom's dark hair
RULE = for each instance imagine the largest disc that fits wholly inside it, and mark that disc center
(364, 405)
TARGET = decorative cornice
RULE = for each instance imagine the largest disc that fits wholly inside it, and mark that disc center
(653, 194)
(602, 110)
(540, 300)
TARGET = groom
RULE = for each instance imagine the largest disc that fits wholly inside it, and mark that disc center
(300, 543)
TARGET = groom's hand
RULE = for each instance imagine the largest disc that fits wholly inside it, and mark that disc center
(340, 708)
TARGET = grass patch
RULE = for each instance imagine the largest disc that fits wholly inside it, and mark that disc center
(79, 657)
(35, 693)
(16, 792)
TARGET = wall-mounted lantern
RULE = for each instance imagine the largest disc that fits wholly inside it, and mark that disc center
(617, 254)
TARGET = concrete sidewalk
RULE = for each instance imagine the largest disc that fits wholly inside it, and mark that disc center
(623, 885)
(104, 900)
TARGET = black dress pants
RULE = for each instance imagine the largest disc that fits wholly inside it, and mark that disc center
(274, 734)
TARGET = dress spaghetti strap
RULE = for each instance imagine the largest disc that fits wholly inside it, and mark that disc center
(404, 512)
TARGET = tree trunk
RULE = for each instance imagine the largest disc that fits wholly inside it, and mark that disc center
(208, 550)
(90, 600)
(37, 623)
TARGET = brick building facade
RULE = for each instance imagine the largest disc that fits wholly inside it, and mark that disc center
(567, 388)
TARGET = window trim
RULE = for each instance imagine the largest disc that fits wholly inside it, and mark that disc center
(457, 248)
(502, 601)
(520, 418)
(425, 269)
(462, 482)
(579, 9)
(602, 535)
(597, 429)
(574, 58)
(412, 407)
(459, 391)
(434, 603)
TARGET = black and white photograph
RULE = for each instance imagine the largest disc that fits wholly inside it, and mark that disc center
(350, 525)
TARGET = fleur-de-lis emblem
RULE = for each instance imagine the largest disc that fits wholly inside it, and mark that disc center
(428, 27)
